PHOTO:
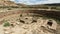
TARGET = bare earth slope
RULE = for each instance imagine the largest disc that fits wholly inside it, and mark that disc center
(7, 3)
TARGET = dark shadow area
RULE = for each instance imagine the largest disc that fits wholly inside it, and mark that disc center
(52, 14)
(49, 14)
(49, 23)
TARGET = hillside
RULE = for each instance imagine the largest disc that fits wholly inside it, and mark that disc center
(54, 4)
(7, 3)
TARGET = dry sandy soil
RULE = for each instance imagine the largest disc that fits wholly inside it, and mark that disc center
(21, 23)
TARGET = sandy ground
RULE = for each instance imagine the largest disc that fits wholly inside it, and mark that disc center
(1, 29)
(23, 28)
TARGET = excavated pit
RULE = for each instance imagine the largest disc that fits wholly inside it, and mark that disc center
(21, 22)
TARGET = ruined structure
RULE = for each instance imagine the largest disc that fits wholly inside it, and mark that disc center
(27, 20)
(28, 23)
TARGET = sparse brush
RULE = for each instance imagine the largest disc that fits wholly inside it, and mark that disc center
(6, 24)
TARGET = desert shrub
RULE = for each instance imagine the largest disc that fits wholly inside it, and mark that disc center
(6, 24)
(9, 8)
